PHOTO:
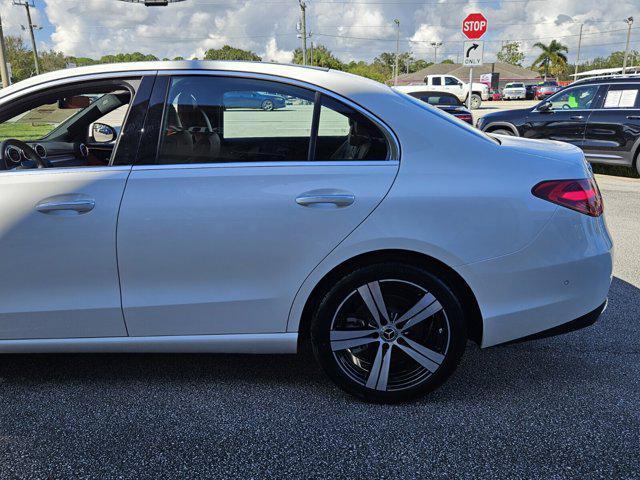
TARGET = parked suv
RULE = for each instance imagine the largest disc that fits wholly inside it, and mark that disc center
(601, 116)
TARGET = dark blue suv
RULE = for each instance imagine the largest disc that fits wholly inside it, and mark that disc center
(599, 115)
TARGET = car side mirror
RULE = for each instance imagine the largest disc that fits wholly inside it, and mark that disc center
(544, 107)
(460, 84)
(103, 133)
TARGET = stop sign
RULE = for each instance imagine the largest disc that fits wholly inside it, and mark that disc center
(474, 26)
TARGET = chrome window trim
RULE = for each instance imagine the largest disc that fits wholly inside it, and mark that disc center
(65, 170)
(392, 139)
(283, 164)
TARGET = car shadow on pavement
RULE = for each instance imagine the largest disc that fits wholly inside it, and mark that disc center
(585, 356)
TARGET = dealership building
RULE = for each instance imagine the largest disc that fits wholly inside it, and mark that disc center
(507, 73)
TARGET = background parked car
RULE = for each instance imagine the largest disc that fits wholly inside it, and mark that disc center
(258, 100)
(495, 95)
(547, 89)
(514, 91)
(447, 102)
(601, 116)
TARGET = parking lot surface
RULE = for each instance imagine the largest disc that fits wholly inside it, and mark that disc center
(565, 407)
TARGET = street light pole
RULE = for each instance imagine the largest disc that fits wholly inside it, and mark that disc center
(27, 6)
(397, 71)
(626, 50)
(435, 46)
(575, 73)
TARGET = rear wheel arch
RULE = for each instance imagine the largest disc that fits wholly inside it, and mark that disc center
(492, 127)
(452, 278)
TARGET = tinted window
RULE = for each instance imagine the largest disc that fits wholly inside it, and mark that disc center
(221, 119)
(622, 96)
(574, 98)
(436, 98)
(345, 134)
(436, 81)
(450, 81)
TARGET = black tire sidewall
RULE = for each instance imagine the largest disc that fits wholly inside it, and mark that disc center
(323, 317)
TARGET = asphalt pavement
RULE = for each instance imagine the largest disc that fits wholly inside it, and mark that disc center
(566, 407)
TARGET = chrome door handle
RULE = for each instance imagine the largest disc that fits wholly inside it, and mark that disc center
(577, 117)
(77, 206)
(633, 117)
(339, 200)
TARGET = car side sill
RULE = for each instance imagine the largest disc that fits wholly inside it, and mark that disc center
(258, 343)
(581, 322)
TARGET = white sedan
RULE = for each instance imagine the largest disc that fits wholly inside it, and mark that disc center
(140, 214)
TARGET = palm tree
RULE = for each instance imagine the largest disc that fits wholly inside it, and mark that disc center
(552, 54)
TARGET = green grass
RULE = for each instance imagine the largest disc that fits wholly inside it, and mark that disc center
(24, 131)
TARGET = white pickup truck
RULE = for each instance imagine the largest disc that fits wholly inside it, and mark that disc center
(451, 84)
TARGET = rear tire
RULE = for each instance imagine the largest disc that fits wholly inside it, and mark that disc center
(369, 335)
(476, 101)
(503, 131)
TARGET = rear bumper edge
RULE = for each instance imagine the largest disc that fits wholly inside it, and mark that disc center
(581, 322)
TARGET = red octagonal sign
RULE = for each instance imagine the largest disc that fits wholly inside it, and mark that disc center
(474, 26)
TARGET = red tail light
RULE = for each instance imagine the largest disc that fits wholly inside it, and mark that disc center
(464, 117)
(581, 195)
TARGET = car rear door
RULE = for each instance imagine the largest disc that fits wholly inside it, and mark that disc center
(219, 230)
(613, 130)
(566, 119)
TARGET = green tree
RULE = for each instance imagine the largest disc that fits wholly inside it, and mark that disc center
(615, 60)
(230, 53)
(510, 53)
(322, 57)
(418, 65)
(367, 70)
(552, 59)
(127, 57)
(447, 61)
(20, 57)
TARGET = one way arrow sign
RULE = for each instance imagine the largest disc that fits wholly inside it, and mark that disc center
(472, 53)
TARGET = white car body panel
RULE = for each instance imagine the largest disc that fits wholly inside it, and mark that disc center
(224, 248)
(455, 195)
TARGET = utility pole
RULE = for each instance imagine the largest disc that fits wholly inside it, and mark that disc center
(27, 4)
(3, 61)
(575, 73)
(303, 19)
(626, 50)
(397, 71)
(435, 46)
(311, 51)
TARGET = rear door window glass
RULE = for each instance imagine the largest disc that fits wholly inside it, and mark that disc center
(345, 134)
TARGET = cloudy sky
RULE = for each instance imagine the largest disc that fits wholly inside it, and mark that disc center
(357, 29)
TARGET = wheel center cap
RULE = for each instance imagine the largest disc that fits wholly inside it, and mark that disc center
(388, 334)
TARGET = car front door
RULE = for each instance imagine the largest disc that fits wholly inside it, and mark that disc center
(563, 117)
(613, 130)
(453, 86)
(57, 230)
(217, 233)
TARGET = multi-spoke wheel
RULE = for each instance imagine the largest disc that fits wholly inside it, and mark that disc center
(389, 332)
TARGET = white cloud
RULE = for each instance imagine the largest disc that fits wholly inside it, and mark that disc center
(273, 54)
(351, 30)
